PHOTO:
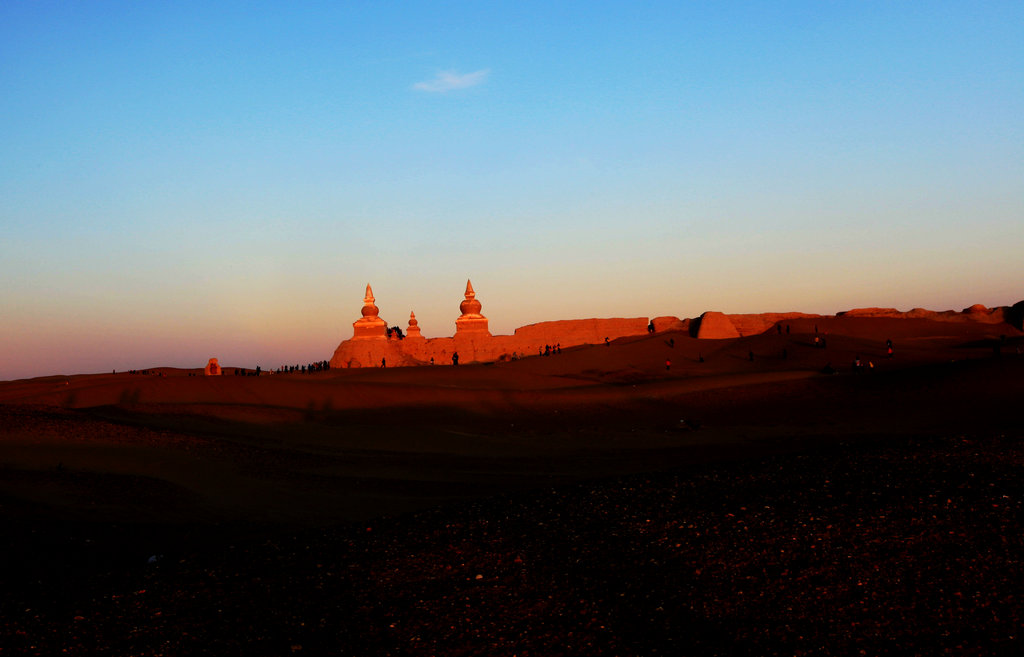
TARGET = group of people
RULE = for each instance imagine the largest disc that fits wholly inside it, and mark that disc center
(318, 366)
(549, 349)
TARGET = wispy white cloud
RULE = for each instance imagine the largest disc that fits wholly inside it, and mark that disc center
(448, 80)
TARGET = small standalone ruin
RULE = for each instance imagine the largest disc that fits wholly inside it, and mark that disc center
(212, 368)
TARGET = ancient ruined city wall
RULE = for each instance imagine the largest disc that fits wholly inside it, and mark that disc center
(369, 353)
(670, 323)
(531, 340)
(755, 324)
(975, 313)
(574, 332)
(526, 341)
(714, 325)
(481, 347)
(371, 345)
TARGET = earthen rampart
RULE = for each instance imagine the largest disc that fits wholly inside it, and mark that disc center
(975, 313)
(375, 345)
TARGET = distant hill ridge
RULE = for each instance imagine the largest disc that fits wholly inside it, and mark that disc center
(715, 325)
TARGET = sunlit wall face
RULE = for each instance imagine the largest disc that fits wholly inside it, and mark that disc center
(189, 181)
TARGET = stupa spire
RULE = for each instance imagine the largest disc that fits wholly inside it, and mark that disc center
(369, 325)
(471, 321)
(470, 307)
(369, 308)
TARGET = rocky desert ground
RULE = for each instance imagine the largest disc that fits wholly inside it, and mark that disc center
(759, 496)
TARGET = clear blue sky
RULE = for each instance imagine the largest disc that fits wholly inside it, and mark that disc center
(184, 180)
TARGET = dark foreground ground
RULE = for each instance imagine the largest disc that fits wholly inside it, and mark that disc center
(884, 546)
(758, 509)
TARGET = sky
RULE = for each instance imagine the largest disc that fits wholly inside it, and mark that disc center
(186, 180)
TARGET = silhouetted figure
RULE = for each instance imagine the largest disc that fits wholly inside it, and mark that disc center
(455, 358)
(785, 354)
(672, 343)
(815, 328)
(778, 329)
(700, 358)
(431, 360)
(383, 362)
(606, 343)
(750, 356)
(787, 329)
(558, 348)
(650, 327)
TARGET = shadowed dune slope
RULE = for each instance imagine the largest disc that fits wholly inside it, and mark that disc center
(353, 443)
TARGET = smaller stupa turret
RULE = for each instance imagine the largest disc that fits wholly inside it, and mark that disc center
(414, 327)
(369, 326)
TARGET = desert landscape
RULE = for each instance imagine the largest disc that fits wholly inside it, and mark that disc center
(511, 328)
(659, 494)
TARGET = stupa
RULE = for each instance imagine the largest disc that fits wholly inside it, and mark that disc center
(413, 331)
(369, 326)
(471, 322)
(212, 368)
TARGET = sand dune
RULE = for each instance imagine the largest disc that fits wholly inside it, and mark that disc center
(588, 411)
(236, 475)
